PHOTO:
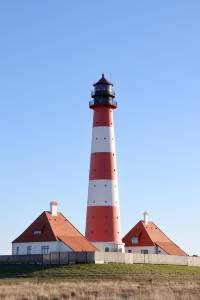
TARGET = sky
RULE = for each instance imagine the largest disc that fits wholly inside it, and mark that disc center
(51, 52)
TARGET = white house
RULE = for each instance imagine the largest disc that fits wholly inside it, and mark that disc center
(145, 237)
(50, 232)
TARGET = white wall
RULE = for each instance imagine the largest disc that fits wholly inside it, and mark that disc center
(135, 258)
(113, 247)
(36, 247)
(161, 251)
(151, 249)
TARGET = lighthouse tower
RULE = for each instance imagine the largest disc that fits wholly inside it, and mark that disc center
(103, 213)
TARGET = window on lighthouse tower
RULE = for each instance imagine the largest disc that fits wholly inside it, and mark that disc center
(100, 87)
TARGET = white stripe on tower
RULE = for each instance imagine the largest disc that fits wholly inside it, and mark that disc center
(103, 139)
(103, 192)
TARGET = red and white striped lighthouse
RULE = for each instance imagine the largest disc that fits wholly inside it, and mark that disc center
(103, 213)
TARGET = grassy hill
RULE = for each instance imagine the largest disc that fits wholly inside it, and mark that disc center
(109, 281)
(93, 271)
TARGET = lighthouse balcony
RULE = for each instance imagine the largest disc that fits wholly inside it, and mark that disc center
(103, 101)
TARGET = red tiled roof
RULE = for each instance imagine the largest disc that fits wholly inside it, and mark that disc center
(151, 235)
(78, 243)
(144, 238)
(40, 224)
(171, 248)
(55, 228)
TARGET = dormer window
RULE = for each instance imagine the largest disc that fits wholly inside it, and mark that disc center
(135, 240)
(37, 232)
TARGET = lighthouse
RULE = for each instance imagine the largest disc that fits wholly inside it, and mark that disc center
(103, 227)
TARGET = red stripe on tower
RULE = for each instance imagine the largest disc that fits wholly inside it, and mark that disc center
(102, 166)
(103, 116)
(103, 227)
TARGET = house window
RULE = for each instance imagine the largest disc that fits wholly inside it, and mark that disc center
(129, 251)
(29, 248)
(157, 250)
(134, 240)
(17, 251)
(106, 249)
(144, 251)
(45, 249)
(37, 232)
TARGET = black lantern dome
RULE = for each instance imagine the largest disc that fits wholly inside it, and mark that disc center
(103, 93)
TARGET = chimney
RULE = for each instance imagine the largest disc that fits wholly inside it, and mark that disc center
(54, 208)
(146, 218)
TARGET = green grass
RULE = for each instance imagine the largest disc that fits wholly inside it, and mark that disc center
(94, 272)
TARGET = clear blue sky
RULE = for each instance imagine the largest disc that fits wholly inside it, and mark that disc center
(51, 52)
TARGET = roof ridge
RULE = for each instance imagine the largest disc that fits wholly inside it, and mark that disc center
(73, 226)
(50, 224)
(147, 231)
(131, 229)
(167, 237)
(28, 227)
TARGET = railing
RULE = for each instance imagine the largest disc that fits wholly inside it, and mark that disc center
(103, 102)
(53, 258)
(62, 258)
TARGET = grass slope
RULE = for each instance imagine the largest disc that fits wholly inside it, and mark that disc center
(94, 272)
(109, 281)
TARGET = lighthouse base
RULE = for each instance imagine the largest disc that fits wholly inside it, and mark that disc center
(109, 246)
